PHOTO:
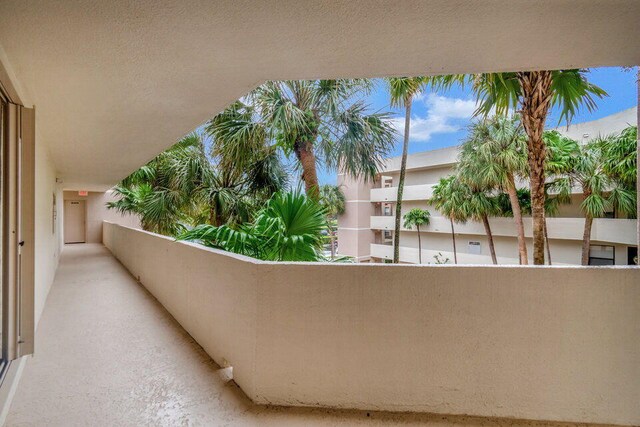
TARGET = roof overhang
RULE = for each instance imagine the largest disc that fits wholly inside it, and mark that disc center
(116, 82)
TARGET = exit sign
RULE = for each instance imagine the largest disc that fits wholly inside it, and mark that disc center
(83, 193)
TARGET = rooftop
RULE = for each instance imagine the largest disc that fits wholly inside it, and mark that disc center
(448, 156)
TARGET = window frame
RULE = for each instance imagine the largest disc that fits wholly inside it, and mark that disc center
(613, 259)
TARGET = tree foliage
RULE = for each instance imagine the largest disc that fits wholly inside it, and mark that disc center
(288, 228)
(317, 121)
(532, 94)
(184, 186)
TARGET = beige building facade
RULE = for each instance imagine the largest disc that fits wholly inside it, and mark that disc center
(365, 231)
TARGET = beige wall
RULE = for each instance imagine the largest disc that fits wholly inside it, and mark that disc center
(605, 126)
(354, 233)
(47, 234)
(357, 214)
(354, 189)
(422, 176)
(212, 294)
(563, 252)
(97, 212)
(355, 243)
(550, 343)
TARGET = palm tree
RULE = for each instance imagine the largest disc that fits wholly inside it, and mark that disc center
(552, 203)
(533, 93)
(592, 179)
(562, 155)
(184, 187)
(480, 206)
(402, 91)
(154, 214)
(449, 197)
(473, 202)
(601, 191)
(315, 120)
(159, 193)
(417, 217)
(288, 228)
(492, 157)
(333, 201)
(619, 155)
(637, 178)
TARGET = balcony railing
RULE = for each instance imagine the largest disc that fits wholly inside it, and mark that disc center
(621, 231)
(411, 192)
(410, 256)
(421, 192)
(549, 343)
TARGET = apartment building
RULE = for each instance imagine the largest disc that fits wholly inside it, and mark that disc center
(365, 231)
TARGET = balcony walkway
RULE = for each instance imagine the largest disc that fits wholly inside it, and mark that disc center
(107, 354)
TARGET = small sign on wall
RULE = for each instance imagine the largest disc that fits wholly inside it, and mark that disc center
(83, 193)
(475, 248)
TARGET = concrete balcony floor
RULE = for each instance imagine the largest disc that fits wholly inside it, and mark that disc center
(108, 354)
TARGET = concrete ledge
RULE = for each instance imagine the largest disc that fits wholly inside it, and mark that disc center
(544, 343)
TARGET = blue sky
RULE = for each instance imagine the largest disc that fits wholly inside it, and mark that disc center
(440, 119)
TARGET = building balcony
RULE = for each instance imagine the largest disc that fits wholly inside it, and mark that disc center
(421, 192)
(411, 192)
(554, 344)
(410, 256)
(620, 231)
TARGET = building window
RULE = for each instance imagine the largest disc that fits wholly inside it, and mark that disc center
(387, 236)
(475, 248)
(602, 255)
(610, 213)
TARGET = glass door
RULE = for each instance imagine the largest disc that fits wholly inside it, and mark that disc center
(17, 233)
(3, 135)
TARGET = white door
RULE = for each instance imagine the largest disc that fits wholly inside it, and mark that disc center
(74, 221)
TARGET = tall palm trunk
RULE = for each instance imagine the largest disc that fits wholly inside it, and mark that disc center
(332, 238)
(419, 246)
(403, 170)
(517, 217)
(306, 156)
(546, 241)
(487, 229)
(215, 218)
(586, 236)
(536, 99)
(453, 239)
(586, 239)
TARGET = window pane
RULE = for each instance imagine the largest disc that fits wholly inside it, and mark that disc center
(599, 251)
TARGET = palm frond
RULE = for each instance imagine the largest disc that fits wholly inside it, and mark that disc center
(288, 228)
(571, 90)
(416, 217)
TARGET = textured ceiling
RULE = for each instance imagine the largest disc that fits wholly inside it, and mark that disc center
(116, 82)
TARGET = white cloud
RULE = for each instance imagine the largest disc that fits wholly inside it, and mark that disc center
(444, 115)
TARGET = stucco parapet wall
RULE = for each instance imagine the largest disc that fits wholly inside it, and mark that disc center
(532, 342)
